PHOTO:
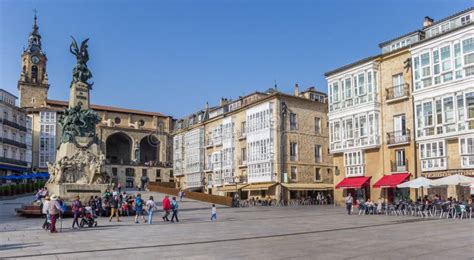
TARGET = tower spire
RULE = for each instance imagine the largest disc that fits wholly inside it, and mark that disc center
(34, 40)
(35, 25)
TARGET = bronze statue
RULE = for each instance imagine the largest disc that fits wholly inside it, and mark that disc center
(81, 73)
(78, 122)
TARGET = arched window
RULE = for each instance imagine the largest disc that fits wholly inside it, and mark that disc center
(34, 73)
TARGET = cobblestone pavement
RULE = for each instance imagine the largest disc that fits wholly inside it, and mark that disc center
(306, 232)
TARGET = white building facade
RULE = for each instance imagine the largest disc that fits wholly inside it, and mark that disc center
(443, 94)
(260, 135)
(194, 157)
(15, 141)
(354, 114)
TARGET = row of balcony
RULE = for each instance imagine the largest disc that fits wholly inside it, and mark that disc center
(393, 138)
(371, 97)
(13, 161)
(209, 167)
(159, 164)
(393, 93)
(13, 124)
(397, 92)
(365, 141)
(12, 142)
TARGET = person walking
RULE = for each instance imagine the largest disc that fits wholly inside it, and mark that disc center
(45, 211)
(166, 208)
(150, 207)
(119, 187)
(138, 206)
(213, 212)
(114, 207)
(181, 195)
(76, 207)
(54, 210)
(349, 200)
(174, 208)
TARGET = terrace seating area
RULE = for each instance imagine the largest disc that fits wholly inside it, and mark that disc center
(303, 201)
(424, 209)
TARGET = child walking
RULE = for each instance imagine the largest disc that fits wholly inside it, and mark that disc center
(213, 212)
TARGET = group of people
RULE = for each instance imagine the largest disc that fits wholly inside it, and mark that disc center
(427, 202)
(112, 204)
(52, 208)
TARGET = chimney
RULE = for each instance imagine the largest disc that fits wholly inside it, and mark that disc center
(224, 101)
(428, 21)
(297, 90)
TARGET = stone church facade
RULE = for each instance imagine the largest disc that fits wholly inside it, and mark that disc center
(136, 143)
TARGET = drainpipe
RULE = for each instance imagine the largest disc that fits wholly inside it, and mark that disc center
(283, 112)
(415, 152)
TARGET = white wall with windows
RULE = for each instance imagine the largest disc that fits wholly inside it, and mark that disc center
(361, 130)
(178, 155)
(260, 143)
(445, 115)
(446, 60)
(193, 157)
(228, 164)
(354, 163)
(433, 155)
(466, 151)
(353, 87)
(47, 149)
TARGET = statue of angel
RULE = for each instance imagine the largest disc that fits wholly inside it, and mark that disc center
(81, 73)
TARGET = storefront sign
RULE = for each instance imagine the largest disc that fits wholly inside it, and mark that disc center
(445, 173)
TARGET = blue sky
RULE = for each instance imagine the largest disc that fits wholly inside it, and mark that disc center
(173, 56)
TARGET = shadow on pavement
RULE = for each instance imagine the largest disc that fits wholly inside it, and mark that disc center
(18, 246)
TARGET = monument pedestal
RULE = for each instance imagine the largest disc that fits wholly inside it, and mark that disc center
(69, 191)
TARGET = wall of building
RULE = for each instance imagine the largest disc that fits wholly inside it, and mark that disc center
(391, 65)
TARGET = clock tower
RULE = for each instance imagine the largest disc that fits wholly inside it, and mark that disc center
(33, 84)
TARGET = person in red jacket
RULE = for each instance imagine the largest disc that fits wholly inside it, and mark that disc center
(166, 208)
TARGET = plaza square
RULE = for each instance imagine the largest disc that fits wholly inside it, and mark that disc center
(237, 129)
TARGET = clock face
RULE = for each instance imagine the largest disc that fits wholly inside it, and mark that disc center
(35, 59)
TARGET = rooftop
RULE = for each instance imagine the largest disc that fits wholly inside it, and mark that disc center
(108, 108)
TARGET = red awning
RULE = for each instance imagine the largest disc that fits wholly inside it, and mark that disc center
(353, 183)
(391, 181)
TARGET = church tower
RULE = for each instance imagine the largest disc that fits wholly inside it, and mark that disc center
(33, 84)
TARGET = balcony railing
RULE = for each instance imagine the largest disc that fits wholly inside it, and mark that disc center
(398, 137)
(365, 141)
(242, 162)
(209, 143)
(13, 161)
(12, 142)
(399, 166)
(13, 124)
(397, 92)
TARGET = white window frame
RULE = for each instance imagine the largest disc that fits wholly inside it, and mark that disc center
(432, 157)
(354, 163)
(466, 154)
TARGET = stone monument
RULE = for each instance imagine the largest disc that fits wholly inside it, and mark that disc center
(79, 165)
